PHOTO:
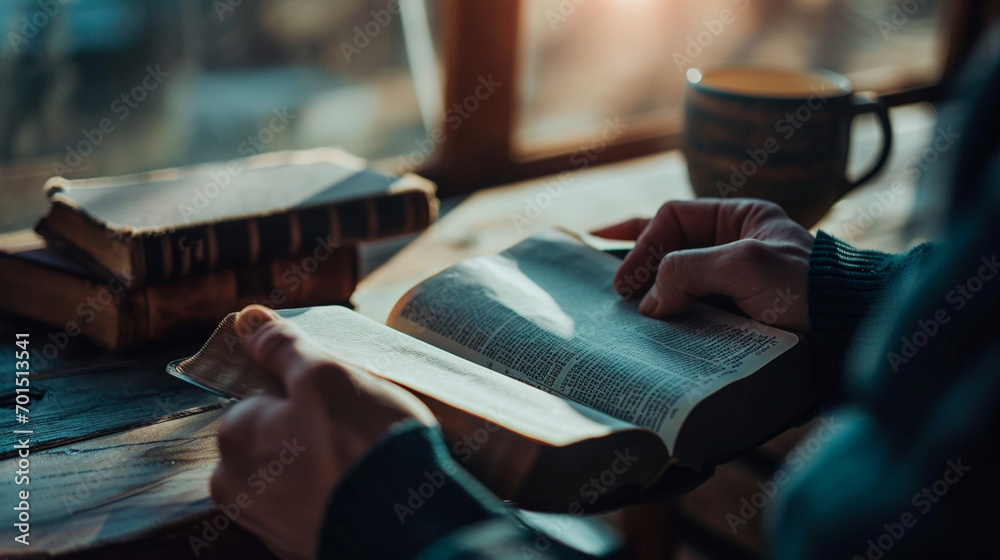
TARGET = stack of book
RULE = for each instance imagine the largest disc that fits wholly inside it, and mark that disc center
(134, 259)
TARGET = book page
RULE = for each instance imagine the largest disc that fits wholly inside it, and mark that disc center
(222, 367)
(544, 312)
(526, 445)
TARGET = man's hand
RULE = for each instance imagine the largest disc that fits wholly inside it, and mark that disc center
(746, 249)
(287, 454)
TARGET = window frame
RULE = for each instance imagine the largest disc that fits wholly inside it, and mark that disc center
(481, 39)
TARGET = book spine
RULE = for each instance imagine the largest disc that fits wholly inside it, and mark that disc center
(161, 311)
(198, 250)
(68, 303)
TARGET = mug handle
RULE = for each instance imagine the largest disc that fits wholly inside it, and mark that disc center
(870, 103)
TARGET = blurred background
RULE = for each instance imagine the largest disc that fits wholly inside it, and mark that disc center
(102, 87)
(629, 57)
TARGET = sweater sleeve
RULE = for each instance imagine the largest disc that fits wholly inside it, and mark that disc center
(404, 495)
(846, 285)
(408, 498)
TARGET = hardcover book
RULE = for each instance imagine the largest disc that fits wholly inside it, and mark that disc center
(549, 387)
(168, 224)
(47, 286)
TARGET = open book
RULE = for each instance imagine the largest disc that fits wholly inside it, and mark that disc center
(551, 388)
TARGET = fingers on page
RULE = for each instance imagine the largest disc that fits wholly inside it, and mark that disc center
(628, 230)
(678, 225)
(685, 276)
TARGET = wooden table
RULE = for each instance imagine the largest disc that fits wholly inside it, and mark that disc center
(121, 453)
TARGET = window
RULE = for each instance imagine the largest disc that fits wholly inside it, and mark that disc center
(103, 87)
(568, 66)
(100, 87)
(588, 61)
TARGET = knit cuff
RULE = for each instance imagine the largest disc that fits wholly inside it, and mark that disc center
(846, 285)
(404, 495)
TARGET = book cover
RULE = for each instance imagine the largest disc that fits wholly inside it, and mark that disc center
(163, 225)
(46, 286)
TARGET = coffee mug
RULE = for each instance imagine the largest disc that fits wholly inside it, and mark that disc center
(776, 134)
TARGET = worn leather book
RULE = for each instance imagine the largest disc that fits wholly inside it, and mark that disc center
(47, 286)
(550, 388)
(168, 224)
